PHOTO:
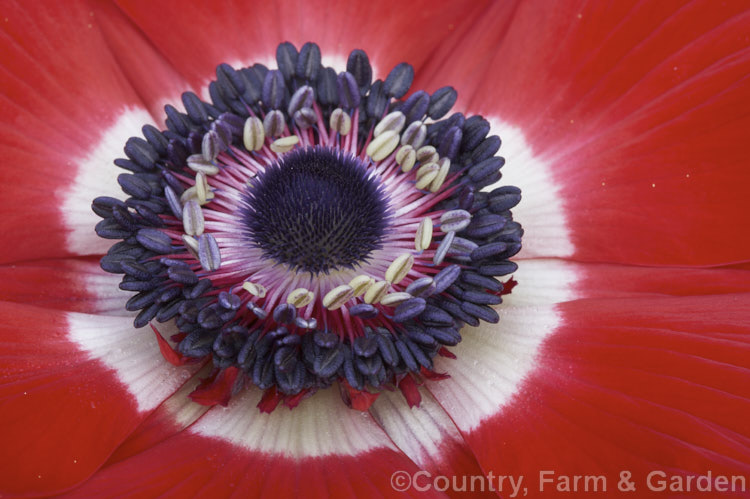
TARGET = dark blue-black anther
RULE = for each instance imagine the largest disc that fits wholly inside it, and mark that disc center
(286, 60)
(416, 106)
(274, 89)
(399, 80)
(483, 312)
(441, 101)
(327, 87)
(195, 108)
(348, 91)
(308, 62)
(134, 185)
(450, 143)
(358, 64)
(157, 139)
(376, 101)
(177, 121)
(141, 152)
(475, 130)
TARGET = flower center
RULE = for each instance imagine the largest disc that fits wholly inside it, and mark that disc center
(316, 210)
(306, 228)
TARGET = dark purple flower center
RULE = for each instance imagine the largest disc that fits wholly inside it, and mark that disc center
(316, 210)
(307, 227)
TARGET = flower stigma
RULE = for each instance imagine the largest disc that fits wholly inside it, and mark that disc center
(307, 228)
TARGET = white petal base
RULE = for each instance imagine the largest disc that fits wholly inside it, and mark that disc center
(493, 359)
(96, 175)
(321, 425)
(541, 210)
(133, 354)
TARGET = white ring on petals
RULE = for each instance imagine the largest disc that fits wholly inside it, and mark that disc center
(541, 211)
(97, 176)
(321, 425)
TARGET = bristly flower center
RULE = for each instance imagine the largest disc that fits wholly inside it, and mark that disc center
(316, 210)
(307, 228)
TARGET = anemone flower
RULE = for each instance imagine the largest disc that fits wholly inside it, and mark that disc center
(621, 356)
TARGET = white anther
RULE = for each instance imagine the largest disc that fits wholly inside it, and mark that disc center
(393, 299)
(192, 218)
(445, 164)
(376, 292)
(414, 135)
(201, 187)
(191, 244)
(426, 174)
(427, 154)
(192, 193)
(336, 297)
(197, 163)
(392, 122)
(210, 146)
(300, 297)
(423, 237)
(284, 144)
(360, 284)
(253, 135)
(382, 145)
(406, 157)
(254, 289)
(399, 268)
(340, 121)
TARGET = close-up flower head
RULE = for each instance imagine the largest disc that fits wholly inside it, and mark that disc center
(375, 249)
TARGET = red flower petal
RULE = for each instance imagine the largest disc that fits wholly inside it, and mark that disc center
(61, 90)
(73, 387)
(203, 34)
(171, 417)
(637, 385)
(638, 112)
(321, 449)
(64, 284)
(635, 380)
(428, 436)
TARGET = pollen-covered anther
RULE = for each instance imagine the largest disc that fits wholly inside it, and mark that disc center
(198, 163)
(300, 297)
(383, 145)
(376, 292)
(201, 188)
(192, 218)
(191, 244)
(393, 299)
(360, 285)
(253, 134)
(340, 122)
(426, 174)
(427, 154)
(423, 236)
(284, 144)
(392, 122)
(444, 165)
(406, 158)
(254, 289)
(336, 297)
(414, 135)
(398, 269)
